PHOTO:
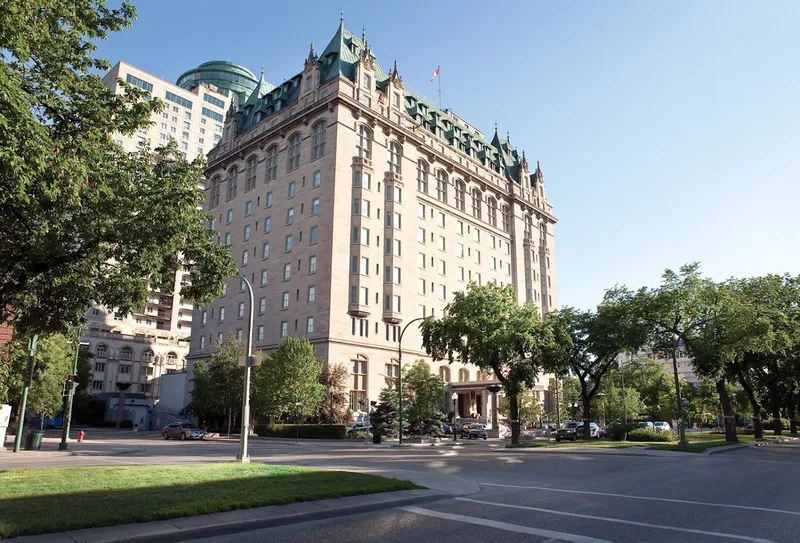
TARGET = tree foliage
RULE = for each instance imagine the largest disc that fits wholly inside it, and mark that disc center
(423, 399)
(335, 407)
(217, 383)
(384, 418)
(82, 219)
(486, 326)
(288, 381)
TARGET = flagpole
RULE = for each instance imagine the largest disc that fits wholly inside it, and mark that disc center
(440, 86)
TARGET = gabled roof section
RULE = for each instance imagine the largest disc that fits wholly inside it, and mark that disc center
(341, 55)
(508, 157)
(262, 88)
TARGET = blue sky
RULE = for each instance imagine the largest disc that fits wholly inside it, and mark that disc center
(667, 132)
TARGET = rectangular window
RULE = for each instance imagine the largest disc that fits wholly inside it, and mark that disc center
(245, 257)
(366, 180)
(290, 216)
(364, 265)
(364, 296)
(421, 311)
(248, 208)
(289, 243)
(268, 225)
(421, 211)
(317, 179)
(364, 236)
(202, 342)
(314, 235)
(421, 260)
(441, 243)
(442, 268)
(396, 304)
(268, 200)
(262, 305)
(397, 275)
(284, 329)
(442, 292)
(312, 264)
(365, 81)
(365, 208)
(315, 206)
(204, 318)
(309, 325)
(312, 294)
(493, 263)
(246, 234)
(172, 97)
(212, 115)
(287, 272)
(229, 217)
(460, 250)
(213, 101)
(421, 285)
(141, 83)
(477, 257)
(292, 189)
(461, 274)
(260, 332)
(421, 235)
(221, 314)
(265, 253)
(285, 301)
(476, 235)
(441, 220)
(264, 277)
(241, 310)
(309, 83)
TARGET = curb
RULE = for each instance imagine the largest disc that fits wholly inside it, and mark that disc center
(729, 448)
(167, 532)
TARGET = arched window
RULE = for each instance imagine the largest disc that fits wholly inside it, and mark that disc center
(364, 142)
(233, 181)
(215, 184)
(147, 355)
(358, 380)
(172, 358)
(126, 353)
(272, 163)
(476, 203)
(461, 194)
(293, 161)
(422, 176)
(463, 375)
(491, 211)
(250, 181)
(101, 351)
(506, 219)
(395, 158)
(318, 149)
(444, 374)
(441, 186)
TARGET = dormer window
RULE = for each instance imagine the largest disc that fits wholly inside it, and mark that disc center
(365, 81)
(329, 60)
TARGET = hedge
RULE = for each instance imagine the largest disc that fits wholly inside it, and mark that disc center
(773, 424)
(617, 432)
(305, 431)
(649, 434)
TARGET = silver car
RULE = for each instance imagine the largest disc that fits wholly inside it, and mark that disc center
(183, 431)
(662, 426)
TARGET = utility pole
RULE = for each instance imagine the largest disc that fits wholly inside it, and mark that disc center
(400, 374)
(72, 384)
(248, 362)
(33, 341)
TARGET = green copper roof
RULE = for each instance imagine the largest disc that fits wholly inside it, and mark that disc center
(341, 55)
(226, 76)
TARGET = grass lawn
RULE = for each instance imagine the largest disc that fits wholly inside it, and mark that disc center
(34, 501)
(700, 442)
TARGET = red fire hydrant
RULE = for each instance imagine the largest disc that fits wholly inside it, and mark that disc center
(81, 433)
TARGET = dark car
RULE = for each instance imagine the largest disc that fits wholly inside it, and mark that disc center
(574, 429)
(473, 431)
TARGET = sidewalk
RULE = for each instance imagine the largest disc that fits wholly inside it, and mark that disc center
(238, 521)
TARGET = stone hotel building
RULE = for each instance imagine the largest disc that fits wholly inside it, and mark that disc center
(354, 205)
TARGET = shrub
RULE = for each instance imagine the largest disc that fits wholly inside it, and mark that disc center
(773, 424)
(617, 432)
(305, 431)
(649, 434)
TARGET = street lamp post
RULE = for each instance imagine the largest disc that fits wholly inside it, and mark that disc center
(242, 457)
(67, 418)
(400, 373)
(33, 341)
(455, 417)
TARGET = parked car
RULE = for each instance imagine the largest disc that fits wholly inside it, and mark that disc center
(473, 431)
(449, 428)
(353, 430)
(662, 426)
(183, 431)
(574, 429)
(647, 424)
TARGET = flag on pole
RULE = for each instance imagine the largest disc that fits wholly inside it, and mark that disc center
(436, 73)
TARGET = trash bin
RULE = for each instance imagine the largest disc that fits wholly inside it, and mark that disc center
(376, 437)
(33, 441)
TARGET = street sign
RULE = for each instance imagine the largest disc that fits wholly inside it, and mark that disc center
(255, 360)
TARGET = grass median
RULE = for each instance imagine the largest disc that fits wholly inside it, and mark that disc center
(37, 501)
(592, 444)
(698, 442)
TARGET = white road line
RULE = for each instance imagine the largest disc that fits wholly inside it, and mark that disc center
(649, 498)
(557, 536)
(620, 521)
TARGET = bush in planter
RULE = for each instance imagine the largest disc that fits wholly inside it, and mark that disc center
(304, 431)
(617, 432)
(649, 434)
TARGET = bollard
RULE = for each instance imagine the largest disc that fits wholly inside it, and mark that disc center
(81, 433)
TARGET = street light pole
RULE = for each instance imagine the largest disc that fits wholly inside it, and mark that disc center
(67, 417)
(455, 417)
(243, 458)
(400, 374)
(33, 341)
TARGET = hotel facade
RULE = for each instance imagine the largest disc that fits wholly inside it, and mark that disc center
(353, 205)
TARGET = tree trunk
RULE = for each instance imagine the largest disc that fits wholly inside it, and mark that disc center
(793, 413)
(758, 427)
(513, 413)
(230, 421)
(776, 413)
(727, 412)
(587, 412)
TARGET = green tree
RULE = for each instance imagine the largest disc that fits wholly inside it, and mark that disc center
(217, 384)
(649, 379)
(383, 418)
(51, 366)
(530, 409)
(487, 327)
(82, 219)
(701, 400)
(617, 405)
(335, 408)
(288, 381)
(423, 397)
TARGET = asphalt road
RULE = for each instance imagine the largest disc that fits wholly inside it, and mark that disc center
(750, 494)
